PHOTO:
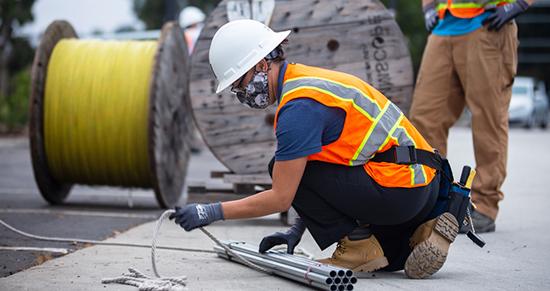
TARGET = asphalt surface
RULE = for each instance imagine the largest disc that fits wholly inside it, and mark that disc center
(23, 207)
(88, 213)
(516, 257)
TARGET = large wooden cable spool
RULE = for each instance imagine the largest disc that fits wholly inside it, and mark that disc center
(356, 37)
(169, 121)
(171, 125)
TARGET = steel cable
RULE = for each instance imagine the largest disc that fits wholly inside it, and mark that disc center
(137, 278)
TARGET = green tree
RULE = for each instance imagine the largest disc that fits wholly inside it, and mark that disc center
(408, 14)
(15, 56)
(154, 13)
(14, 108)
(12, 12)
(125, 28)
(410, 18)
(150, 12)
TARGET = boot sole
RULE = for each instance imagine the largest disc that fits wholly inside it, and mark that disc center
(372, 265)
(430, 255)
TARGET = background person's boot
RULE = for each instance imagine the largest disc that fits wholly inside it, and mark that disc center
(482, 223)
(364, 255)
(430, 243)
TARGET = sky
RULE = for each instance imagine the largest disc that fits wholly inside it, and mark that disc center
(86, 16)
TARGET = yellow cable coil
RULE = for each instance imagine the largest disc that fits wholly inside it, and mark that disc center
(96, 112)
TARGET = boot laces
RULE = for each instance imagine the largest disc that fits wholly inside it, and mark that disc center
(340, 249)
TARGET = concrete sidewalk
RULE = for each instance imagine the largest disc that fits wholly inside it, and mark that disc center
(516, 257)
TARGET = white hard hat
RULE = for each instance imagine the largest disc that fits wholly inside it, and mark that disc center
(238, 46)
(191, 15)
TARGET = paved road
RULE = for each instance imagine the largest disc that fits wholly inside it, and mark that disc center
(517, 256)
(89, 213)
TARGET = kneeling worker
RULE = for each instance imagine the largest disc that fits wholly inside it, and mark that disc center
(331, 130)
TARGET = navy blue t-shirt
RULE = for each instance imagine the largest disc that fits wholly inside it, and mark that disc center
(304, 126)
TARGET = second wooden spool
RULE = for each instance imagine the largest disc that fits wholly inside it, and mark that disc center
(356, 37)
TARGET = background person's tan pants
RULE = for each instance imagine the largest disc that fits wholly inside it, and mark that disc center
(476, 70)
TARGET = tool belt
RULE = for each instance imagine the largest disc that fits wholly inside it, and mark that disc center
(409, 155)
(453, 197)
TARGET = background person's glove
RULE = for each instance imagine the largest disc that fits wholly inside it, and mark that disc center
(195, 215)
(291, 238)
(430, 16)
(504, 13)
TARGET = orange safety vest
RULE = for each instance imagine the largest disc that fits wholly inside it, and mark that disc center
(467, 8)
(373, 124)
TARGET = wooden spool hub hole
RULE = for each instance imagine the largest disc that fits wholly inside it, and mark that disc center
(333, 45)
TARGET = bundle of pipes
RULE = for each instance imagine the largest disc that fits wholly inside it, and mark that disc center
(299, 269)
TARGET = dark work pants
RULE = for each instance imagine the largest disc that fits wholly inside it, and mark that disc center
(334, 199)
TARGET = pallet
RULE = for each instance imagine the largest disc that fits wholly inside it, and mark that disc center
(241, 185)
(244, 184)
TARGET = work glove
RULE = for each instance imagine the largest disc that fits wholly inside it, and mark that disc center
(291, 238)
(195, 215)
(504, 13)
(430, 16)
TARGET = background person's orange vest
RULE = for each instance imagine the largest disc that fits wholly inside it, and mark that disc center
(467, 8)
(373, 124)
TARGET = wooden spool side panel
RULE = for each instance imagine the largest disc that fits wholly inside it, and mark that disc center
(51, 189)
(291, 14)
(357, 37)
(378, 45)
(171, 123)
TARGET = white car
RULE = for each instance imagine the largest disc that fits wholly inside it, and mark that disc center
(529, 104)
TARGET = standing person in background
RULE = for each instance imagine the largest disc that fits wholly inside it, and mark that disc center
(192, 21)
(470, 60)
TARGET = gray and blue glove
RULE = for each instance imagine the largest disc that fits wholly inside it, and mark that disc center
(430, 16)
(504, 13)
(291, 238)
(195, 215)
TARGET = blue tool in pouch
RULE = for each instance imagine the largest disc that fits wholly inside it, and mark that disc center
(454, 197)
(464, 187)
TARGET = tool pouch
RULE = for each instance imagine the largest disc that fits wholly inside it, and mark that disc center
(459, 201)
(445, 183)
(452, 197)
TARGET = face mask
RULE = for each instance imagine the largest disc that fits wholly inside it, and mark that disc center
(256, 93)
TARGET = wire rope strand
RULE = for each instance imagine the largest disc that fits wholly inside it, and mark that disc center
(156, 232)
(126, 279)
(96, 242)
(153, 245)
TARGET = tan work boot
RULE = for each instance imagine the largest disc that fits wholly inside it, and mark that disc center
(430, 243)
(365, 255)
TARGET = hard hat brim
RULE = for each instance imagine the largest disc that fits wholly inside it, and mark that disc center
(280, 37)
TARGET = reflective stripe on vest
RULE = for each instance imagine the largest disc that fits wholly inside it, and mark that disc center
(467, 8)
(418, 176)
(378, 135)
(372, 124)
(444, 4)
(361, 101)
(385, 121)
